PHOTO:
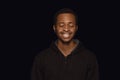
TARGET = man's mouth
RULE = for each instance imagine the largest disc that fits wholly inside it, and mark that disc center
(66, 35)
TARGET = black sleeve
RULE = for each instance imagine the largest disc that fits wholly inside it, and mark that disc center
(93, 70)
(36, 73)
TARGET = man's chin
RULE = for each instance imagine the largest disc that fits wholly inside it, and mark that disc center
(66, 41)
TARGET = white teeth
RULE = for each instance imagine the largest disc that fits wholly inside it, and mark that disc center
(66, 35)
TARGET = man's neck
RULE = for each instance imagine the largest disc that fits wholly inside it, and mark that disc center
(66, 48)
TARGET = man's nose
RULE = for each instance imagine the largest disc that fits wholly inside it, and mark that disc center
(66, 28)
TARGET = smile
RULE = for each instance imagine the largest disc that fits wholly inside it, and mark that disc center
(66, 35)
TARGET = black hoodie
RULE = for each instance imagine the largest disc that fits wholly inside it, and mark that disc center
(50, 64)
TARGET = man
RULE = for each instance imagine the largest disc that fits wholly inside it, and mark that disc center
(66, 58)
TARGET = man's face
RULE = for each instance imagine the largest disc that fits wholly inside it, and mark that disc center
(65, 27)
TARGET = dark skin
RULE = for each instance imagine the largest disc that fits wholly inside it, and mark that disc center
(65, 29)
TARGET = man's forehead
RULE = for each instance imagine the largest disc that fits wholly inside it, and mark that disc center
(66, 15)
(62, 22)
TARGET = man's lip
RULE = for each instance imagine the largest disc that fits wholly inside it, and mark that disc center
(66, 32)
(66, 36)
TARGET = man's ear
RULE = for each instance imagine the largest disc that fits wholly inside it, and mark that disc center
(76, 27)
(54, 28)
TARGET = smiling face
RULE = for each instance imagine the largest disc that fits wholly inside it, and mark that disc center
(65, 27)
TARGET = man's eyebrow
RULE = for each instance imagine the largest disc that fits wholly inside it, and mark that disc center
(63, 22)
(60, 22)
(70, 22)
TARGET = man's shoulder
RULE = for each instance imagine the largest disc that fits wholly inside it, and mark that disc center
(41, 56)
(88, 53)
(43, 53)
(85, 51)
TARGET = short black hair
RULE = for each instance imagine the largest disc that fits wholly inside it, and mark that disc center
(65, 10)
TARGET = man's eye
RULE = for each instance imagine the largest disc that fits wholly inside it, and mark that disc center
(71, 25)
(61, 25)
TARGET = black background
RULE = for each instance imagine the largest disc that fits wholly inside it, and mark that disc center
(28, 30)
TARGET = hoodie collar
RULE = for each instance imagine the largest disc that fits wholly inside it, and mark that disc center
(79, 46)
